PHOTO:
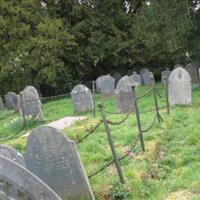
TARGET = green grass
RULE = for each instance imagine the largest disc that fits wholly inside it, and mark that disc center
(170, 166)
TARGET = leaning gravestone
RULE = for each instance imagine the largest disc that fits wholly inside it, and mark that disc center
(125, 80)
(12, 101)
(17, 183)
(106, 85)
(148, 78)
(33, 90)
(30, 105)
(136, 78)
(12, 154)
(55, 160)
(165, 75)
(82, 98)
(1, 104)
(179, 87)
(125, 99)
(193, 71)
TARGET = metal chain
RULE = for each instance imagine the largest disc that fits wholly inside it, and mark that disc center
(119, 122)
(151, 125)
(145, 93)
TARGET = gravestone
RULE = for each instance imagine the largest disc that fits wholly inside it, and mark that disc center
(148, 78)
(17, 183)
(125, 99)
(179, 87)
(117, 76)
(1, 104)
(55, 160)
(106, 85)
(165, 75)
(30, 105)
(193, 71)
(125, 80)
(81, 98)
(33, 90)
(12, 101)
(136, 78)
(178, 65)
(12, 154)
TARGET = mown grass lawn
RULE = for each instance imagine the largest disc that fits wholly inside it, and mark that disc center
(168, 170)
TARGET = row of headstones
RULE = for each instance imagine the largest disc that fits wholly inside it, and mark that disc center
(50, 169)
(179, 90)
(27, 102)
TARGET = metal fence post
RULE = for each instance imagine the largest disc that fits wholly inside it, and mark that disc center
(93, 97)
(166, 94)
(107, 129)
(22, 110)
(138, 121)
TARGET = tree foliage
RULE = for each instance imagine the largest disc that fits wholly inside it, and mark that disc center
(54, 44)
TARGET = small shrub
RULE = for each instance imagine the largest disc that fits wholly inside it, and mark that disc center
(118, 192)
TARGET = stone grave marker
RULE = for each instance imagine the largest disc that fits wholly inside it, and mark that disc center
(55, 160)
(106, 85)
(165, 75)
(125, 80)
(125, 99)
(30, 105)
(179, 87)
(136, 78)
(12, 101)
(17, 183)
(1, 104)
(12, 154)
(33, 90)
(193, 71)
(117, 76)
(81, 99)
(148, 78)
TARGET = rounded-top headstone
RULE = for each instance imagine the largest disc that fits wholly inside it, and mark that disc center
(179, 87)
(55, 160)
(12, 154)
(12, 101)
(82, 98)
(125, 80)
(32, 89)
(165, 75)
(17, 183)
(136, 78)
(193, 71)
(106, 85)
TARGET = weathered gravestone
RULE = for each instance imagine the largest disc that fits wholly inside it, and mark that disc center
(193, 71)
(1, 104)
(125, 80)
(125, 99)
(55, 160)
(82, 98)
(177, 65)
(12, 154)
(106, 85)
(117, 76)
(33, 90)
(179, 87)
(148, 78)
(136, 78)
(30, 105)
(165, 75)
(12, 101)
(17, 183)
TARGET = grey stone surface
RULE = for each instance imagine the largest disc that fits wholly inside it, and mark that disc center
(30, 105)
(81, 98)
(106, 85)
(136, 78)
(55, 160)
(17, 183)
(12, 154)
(32, 89)
(125, 99)
(178, 65)
(125, 80)
(1, 104)
(165, 75)
(193, 71)
(179, 87)
(117, 76)
(148, 78)
(12, 101)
